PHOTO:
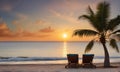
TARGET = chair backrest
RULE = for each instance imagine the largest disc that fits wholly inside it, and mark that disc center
(72, 58)
(87, 58)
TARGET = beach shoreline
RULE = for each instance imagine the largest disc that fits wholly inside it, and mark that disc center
(55, 68)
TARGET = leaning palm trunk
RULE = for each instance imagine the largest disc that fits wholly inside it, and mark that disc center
(106, 59)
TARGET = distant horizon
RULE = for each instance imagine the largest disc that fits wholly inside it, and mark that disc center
(44, 41)
(49, 41)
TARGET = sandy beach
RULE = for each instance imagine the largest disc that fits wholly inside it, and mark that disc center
(55, 68)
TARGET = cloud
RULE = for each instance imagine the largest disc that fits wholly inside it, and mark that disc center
(68, 9)
(28, 34)
(72, 5)
(15, 22)
(23, 35)
(5, 31)
(47, 30)
(6, 7)
(20, 33)
(9, 5)
(21, 16)
(40, 22)
(67, 17)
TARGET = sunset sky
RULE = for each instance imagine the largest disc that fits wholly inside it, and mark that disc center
(46, 20)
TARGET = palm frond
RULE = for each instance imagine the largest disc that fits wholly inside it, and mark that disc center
(85, 32)
(90, 14)
(103, 11)
(113, 23)
(116, 32)
(90, 11)
(99, 19)
(102, 15)
(93, 22)
(84, 17)
(113, 44)
(89, 46)
(117, 36)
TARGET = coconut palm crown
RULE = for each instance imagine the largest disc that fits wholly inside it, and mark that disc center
(105, 29)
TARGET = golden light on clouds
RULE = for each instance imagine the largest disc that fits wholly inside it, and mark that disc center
(39, 20)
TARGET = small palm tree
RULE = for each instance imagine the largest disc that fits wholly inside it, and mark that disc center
(104, 28)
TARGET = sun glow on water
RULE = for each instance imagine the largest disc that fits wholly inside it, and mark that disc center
(65, 49)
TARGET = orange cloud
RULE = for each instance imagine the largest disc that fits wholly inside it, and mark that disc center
(6, 33)
(47, 30)
(23, 33)
(15, 22)
(20, 18)
(40, 22)
(4, 30)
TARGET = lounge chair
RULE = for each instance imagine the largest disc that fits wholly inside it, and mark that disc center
(73, 61)
(87, 61)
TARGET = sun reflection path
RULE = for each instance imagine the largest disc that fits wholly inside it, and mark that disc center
(65, 49)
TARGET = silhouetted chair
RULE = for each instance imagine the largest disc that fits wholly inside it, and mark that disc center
(87, 61)
(73, 61)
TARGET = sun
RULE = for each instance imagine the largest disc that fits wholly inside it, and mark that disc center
(65, 35)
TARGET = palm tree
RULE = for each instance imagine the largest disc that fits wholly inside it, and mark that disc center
(104, 28)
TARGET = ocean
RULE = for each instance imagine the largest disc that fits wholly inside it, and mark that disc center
(50, 52)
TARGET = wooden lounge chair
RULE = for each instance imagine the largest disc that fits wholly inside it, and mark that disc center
(73, 61)
(87, 61)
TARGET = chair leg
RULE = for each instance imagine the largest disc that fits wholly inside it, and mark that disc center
(66, 66)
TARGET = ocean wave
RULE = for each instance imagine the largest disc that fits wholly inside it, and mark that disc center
(8, 59)
(4, 59)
